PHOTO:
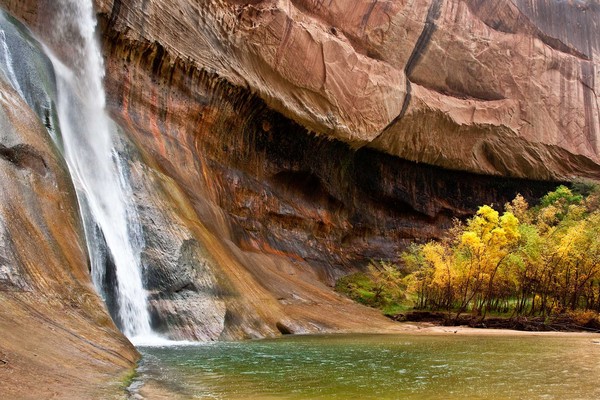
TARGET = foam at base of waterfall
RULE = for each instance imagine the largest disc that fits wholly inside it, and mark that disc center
(155, 340)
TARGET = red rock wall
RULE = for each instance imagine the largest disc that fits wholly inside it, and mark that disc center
(57, 337)
(502, 88)
(282, 189)
(275, 130)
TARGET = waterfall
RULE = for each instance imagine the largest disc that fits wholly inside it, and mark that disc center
(6, 64)
(112, 229)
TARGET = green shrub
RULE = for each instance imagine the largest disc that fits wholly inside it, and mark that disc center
(380, 287)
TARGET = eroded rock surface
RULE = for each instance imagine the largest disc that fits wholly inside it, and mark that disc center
(225, 98)
(281, 212)
(57, 338)
(508, 88)
(284, 143)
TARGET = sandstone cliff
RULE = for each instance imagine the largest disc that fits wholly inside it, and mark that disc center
(509, 88)
(247, 214)
(506, 87)
(57, 338)
(277, 145)
(238, 103)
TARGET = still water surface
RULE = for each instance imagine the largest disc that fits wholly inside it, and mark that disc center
(380, 367)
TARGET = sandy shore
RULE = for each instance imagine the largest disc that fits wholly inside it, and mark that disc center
(427, 328)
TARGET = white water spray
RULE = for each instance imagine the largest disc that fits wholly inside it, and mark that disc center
(89, 148)
(6, 64)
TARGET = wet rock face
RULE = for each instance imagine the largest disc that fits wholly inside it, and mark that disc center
(184, 294)
(57, 336)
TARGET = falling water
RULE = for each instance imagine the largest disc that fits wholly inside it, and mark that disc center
(6, 64)
(89, 148)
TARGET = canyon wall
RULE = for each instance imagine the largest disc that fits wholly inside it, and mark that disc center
(57, 337)
(509, 88)
(506, 88)
(277, 145)
(315, 138)
(281, 124)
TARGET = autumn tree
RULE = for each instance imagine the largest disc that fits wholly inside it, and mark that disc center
(387, 281)
(421, 273)
(484, 247)
(531, 260)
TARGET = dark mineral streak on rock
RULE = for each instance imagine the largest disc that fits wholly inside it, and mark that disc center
(114, 13)
(572, 24)
(24, 156)
(424, 38)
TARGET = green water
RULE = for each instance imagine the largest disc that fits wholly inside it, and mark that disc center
(380, 367)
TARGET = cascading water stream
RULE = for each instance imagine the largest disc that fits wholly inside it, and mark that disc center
(89, 148)
(6, 64)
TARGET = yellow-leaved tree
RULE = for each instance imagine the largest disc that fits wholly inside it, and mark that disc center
(440, 260)
(529, 260)
(484, 247)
